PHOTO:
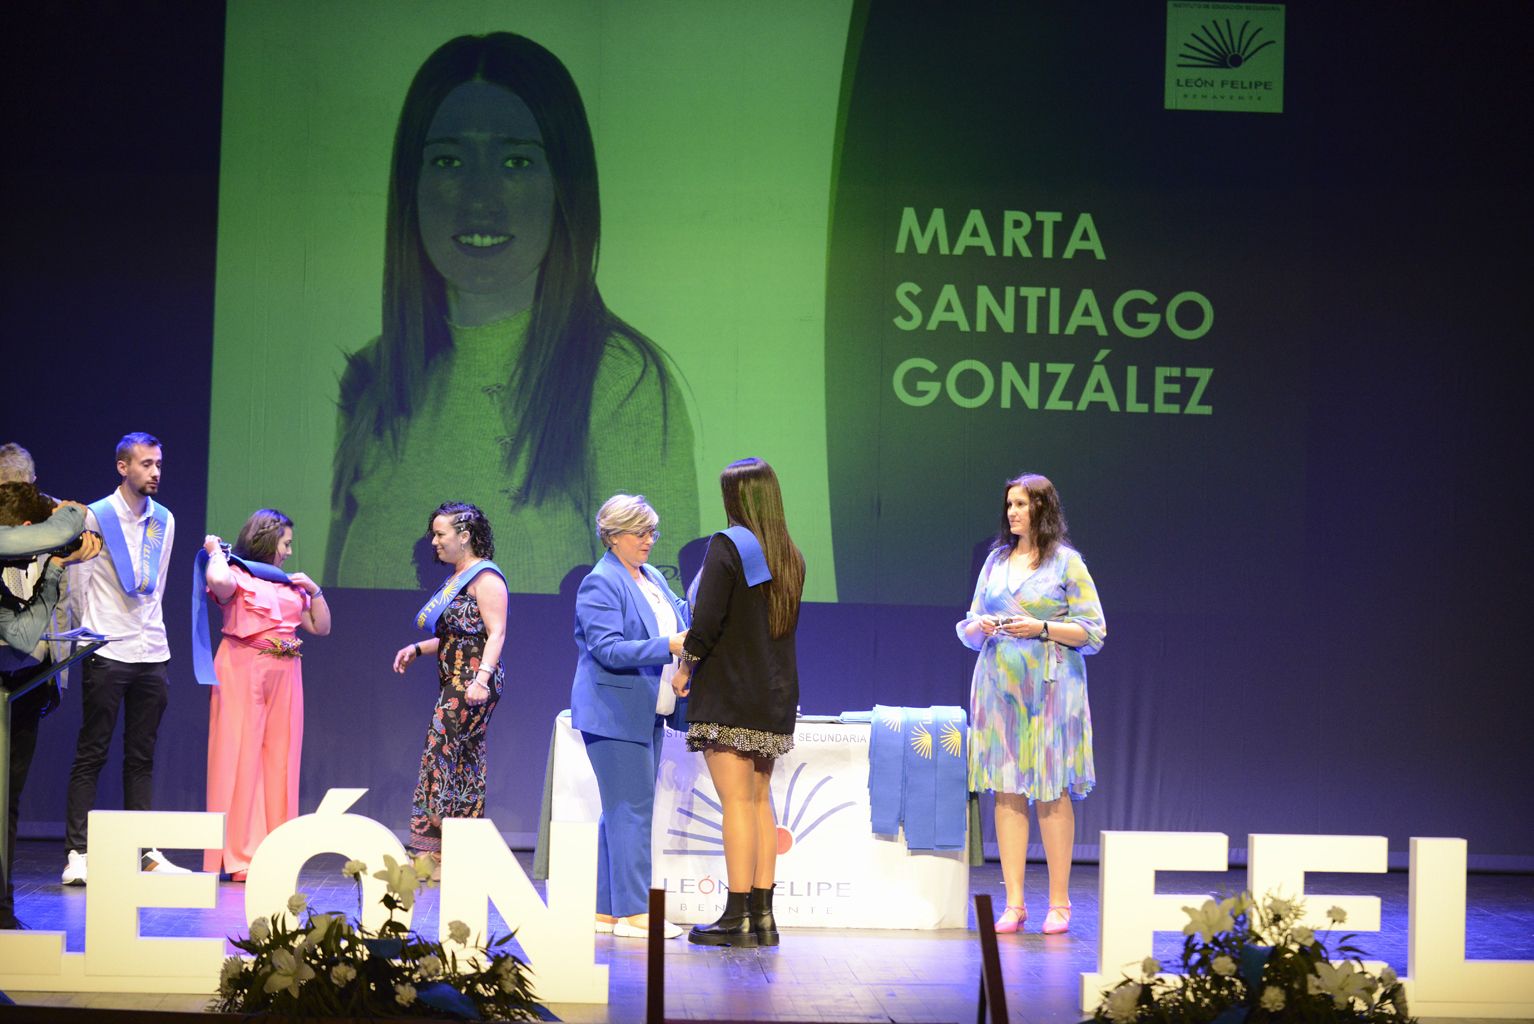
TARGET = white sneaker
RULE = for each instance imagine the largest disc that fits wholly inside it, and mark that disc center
(605, 924)
(74, 871)
(154, 860)
(624, 930)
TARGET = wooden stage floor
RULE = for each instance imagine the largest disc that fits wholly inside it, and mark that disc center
(816, 974)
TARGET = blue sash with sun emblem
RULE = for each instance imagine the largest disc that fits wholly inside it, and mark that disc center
(432, 610)
(918, 776)
(150, 548)
(202, 638)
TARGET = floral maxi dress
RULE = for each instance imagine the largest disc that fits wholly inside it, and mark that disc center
(452, 783)
(1030, 725)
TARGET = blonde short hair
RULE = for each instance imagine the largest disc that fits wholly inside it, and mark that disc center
(624, 513)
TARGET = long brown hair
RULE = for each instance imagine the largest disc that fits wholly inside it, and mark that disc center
(546, 403)
(1046, 520)
(753, 499)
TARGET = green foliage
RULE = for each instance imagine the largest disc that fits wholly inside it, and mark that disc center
(1258, 964)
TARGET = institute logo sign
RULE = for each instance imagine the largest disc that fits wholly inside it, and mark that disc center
(1223, 56)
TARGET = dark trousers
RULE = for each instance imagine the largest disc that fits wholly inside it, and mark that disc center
(26, 714)
(139, 689)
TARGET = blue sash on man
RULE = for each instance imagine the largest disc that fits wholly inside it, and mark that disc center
(150, 548)
(202, 639)
(432, 610)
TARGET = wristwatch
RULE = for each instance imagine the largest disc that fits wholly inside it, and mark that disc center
(1044, 632)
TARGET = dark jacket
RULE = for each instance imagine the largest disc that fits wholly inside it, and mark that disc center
(744, 677)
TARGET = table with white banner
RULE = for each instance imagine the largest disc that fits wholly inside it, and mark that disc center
(832, 871)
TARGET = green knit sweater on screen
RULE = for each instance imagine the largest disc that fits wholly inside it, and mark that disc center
(453, 449)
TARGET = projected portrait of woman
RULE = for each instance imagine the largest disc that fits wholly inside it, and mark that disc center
(500, 374)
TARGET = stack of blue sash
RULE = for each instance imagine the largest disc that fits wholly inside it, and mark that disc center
(918, 775)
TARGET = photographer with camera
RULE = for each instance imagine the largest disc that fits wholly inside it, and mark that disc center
(63, 525)
(28, 599)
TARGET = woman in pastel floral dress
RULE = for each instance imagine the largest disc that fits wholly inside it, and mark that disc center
(1034, 617)
(467, 619)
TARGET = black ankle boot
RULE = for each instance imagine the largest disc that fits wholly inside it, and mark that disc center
(762, 921)
(733, 927)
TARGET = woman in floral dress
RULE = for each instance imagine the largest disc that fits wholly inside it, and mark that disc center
(467, 619)
(1034, 616)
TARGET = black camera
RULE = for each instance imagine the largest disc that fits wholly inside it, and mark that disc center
(64, 550)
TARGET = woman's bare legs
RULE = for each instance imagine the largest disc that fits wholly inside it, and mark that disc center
(735, 780)
(764, 871)
(1057, 828)
(1012, 842)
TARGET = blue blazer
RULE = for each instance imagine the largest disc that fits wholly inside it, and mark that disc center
(622, 653)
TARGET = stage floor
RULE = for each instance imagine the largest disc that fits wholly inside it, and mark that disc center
(816, 974)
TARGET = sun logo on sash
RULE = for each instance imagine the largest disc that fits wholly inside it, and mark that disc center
(154, 533)
(953, 739)
(892, 719)
(921, 741)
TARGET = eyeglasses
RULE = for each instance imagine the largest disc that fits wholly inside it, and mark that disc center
(651, 533)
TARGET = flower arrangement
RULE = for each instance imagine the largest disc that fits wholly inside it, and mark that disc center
(282, 647)
(325, 966)
(1242, 961)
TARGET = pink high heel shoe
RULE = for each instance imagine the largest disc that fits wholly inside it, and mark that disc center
(1058, 920)
(1011, 920)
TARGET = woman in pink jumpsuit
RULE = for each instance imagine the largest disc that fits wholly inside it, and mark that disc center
(256, 719)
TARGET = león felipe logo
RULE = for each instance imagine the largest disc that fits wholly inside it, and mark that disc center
(1219, 45)
(792, 827)
(1224, 56)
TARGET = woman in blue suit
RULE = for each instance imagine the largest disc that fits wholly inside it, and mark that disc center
(629, 628)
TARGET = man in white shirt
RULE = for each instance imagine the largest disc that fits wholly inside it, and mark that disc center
(119, 595)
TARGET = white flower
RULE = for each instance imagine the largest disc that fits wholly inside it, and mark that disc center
(428, 967)
(424, 866)
(342, 974)
(260, 931)
(400, 879)
(296, 903)
(1388, 977)
(288, 972)
(1337, 915)
(1280, 907)
(354, 869)
(1343, 984)
(1273, 998)
(1224, 966)
(1207, 921)
(232, 969)
(1123, 1001)
(320, 925)
(1303, 935)
(404, 994)
(1150, 967)
(458, 932)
